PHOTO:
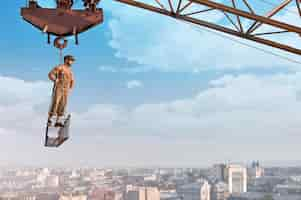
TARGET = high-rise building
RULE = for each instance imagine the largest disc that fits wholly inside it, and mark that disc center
(236, 177)
(219, 191)
(195, 191)
(52, 181)
(218, 171)
(73, 197)
(41, 177)
(105, 194)
(255, 171)
(142, 193)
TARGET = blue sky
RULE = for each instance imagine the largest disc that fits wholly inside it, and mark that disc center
(142, 88)
(36, 58)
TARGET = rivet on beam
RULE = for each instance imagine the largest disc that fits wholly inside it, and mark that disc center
(45, 29)
(75, 35)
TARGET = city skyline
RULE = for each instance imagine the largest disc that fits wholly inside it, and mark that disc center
(218, 182)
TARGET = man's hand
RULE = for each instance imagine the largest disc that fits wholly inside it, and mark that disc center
(72, 81)
(71, 84)
(52, 74)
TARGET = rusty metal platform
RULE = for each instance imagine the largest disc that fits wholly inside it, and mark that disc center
(62, 22)
(55, 136)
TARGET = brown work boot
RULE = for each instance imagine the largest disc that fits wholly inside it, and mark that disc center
(59, 124)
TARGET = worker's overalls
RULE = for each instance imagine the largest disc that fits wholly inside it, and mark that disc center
(60, 91)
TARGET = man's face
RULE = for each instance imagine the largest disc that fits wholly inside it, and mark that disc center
(70, 62)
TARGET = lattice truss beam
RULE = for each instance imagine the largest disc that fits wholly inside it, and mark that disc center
(275, 23)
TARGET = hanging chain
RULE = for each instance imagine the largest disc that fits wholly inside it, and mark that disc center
(60, 43)
(61, 56)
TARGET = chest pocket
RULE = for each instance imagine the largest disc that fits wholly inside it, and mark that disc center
(63, 79)
(61, 75)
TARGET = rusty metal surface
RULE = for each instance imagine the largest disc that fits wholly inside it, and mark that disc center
(67, 22)
(62, 22)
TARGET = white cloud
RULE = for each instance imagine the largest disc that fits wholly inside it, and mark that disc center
(106, 68)
(239, 117)
(231, 99)
(129, 70)
(241, 106)
(134, 84)
(16, 91)
(21, 104)
(170, 45)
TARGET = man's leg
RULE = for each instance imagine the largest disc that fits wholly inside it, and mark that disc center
(54, 105)
(61, 108)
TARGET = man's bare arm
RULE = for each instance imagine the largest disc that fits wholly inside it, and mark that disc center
(72, 81)
(52, 75)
